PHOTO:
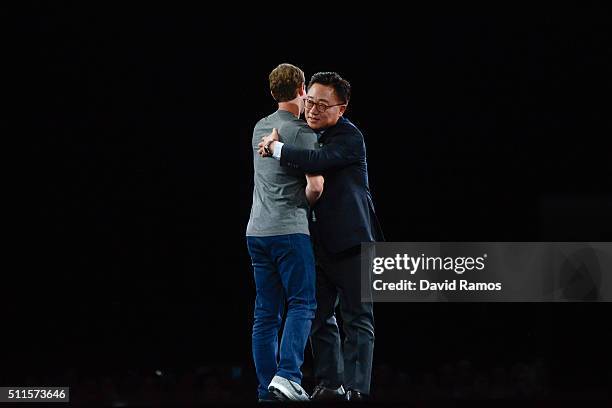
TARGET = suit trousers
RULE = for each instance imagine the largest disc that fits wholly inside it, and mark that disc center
(339, 283)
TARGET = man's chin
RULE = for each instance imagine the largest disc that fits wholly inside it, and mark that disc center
(314, 125)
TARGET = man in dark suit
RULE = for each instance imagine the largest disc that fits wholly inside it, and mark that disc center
(342, 218)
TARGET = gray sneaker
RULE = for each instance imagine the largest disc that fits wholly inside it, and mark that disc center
(287, 390)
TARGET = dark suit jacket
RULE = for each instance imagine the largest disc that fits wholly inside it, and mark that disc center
(345, 212)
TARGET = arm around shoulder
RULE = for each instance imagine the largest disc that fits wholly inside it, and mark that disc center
(344, 149)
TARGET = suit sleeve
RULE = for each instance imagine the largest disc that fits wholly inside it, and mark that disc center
(344, 149)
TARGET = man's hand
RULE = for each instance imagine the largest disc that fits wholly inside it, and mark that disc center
(266, 146)
(314, 188)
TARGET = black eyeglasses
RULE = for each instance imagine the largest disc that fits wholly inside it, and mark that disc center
(321, 107)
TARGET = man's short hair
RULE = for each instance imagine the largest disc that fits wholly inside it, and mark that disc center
(285, 81)
(341, 86)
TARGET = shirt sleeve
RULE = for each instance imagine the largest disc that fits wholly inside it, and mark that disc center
(306, 138)
(278, 148)
(298, 135)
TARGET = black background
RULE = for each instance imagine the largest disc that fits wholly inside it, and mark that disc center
(478, 128)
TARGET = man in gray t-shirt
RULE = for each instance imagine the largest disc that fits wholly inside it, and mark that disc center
(279, 244)
(279, 197)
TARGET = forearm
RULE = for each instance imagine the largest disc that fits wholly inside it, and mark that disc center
(317, 161)
(314, 188)
(312, 195)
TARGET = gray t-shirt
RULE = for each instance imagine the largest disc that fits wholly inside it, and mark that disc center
(279, 201)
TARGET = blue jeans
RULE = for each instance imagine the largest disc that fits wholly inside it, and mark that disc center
(284, 271)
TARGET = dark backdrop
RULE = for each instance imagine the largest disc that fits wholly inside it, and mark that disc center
(140, 176)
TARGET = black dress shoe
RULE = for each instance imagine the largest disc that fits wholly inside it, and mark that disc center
(322, 393)
(352, 395)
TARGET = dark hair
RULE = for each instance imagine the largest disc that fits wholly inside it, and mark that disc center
(341, 86)
(285, 81)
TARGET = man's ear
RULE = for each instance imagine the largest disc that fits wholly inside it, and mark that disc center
(302, 91)
(272, 95)
(343, 109)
